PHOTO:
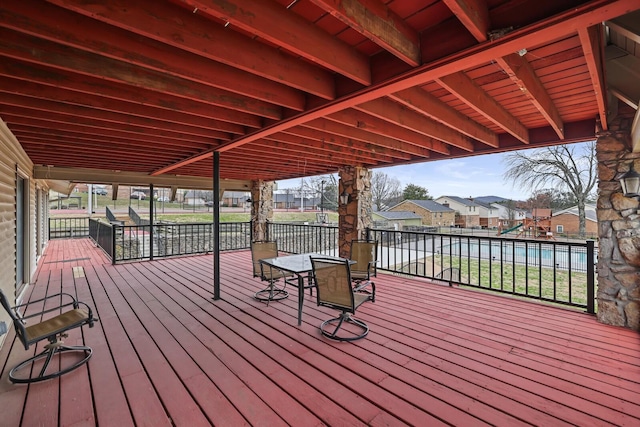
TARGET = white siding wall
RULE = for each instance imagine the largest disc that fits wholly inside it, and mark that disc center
(12, 158)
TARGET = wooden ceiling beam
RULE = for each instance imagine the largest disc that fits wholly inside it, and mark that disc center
(273, 22)
(592, 40)
(92, 88)
(398, 114)
(523, 74)
(377, 22)
(361, 120)
(474, 15)
(30, 49)
(427, 104)
(363, 135)
(472, 95)
(43, 105)
(65, 27)
(188, 31)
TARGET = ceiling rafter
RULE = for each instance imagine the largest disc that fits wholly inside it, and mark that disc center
(592, 42)
(65, 27)
(276, 24)
(474, 15)
(377, 22)
(186, 30)
(464, 88)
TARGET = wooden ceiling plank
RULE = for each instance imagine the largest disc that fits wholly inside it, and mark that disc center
(474, 15)
(472, 95)
(103, 92)
(188, 31)
(380, 24)
(373, 124)
(363, 135)
(385, 109)
(523, 74)
(65, 27)
(592, 40)
(274, 23)
(31, 49)
(427, 104)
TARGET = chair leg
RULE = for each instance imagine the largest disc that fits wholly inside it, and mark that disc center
(52, 349)
(271, 293)
(344, 317)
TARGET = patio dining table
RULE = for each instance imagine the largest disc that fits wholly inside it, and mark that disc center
(300, 265)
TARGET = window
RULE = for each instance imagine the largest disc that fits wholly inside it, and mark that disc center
(559, 228)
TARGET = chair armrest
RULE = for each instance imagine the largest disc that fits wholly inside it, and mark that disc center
(73, 303)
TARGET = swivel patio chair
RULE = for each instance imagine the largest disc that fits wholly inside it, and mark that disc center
(53, 329)
(450, 274)
(365, 255)
(333, 283)
(264, 250)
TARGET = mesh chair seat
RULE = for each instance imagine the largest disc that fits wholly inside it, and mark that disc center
(365, 255)
(54, 330)
(265, 250)
(334, 289)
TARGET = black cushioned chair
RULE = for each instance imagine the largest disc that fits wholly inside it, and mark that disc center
(52, 329)
(264, 250)
(334, 289)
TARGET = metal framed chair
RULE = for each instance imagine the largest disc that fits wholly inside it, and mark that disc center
(365, 255)
(263, 250)
(53, 329)
(451, 275)
(334, 289)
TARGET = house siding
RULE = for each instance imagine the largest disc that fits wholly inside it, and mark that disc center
(14, 161)
(571, 224)
(428, 218)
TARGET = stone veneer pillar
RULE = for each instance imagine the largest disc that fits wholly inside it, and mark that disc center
(618, 293)
(261, 208)
(354, 217)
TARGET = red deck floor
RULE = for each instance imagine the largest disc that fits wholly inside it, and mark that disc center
(165, 353)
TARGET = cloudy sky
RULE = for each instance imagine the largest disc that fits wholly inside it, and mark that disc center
(465, 177)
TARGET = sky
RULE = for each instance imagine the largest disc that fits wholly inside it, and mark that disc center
(464, 177)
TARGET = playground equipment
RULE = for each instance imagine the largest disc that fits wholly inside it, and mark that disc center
(538, 226)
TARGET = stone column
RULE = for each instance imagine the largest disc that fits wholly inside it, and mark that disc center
(261, 208)
(354, 217)
(618, 295)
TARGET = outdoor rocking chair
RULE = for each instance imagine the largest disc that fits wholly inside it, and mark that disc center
(264, 250)
(333, 284)
(52, 329)
(365, 255)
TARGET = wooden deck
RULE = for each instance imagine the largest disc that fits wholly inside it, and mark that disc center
(165, 353)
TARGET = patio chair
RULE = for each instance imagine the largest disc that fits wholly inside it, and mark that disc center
(53, 329)
(365, 255)
(263, 250)
(333, 283)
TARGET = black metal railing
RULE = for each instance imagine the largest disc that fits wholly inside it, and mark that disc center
(111, 217)
(136, 218)
(133, 242)
(60, 228)
(302, 238)
(102, 234)
(559, 272)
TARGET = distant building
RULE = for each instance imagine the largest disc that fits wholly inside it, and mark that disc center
(567, 222)
(430, 212)
(397, 220)
(467, 212)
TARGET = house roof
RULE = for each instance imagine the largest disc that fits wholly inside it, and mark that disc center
(460, 200)
(589, 212)
(397, 215)
(282, 89)
(431, 205)
(490, 199)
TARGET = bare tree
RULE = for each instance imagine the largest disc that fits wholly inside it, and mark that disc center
(565, 167)
(384, 189)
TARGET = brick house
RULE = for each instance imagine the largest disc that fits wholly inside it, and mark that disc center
(432, 213)
(467, 211)
(567, 221)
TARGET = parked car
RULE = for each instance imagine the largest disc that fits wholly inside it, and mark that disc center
(163, 199)
(100, 191)
(138, 195)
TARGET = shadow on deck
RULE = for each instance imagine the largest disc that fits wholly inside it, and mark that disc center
(165, 353)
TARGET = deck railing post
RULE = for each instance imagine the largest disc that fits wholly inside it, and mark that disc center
(114, 228)
(591, 306)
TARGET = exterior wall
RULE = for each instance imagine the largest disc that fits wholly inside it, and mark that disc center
(571, 224)
(13, 161)
(465, 216)
(618, 273)
(429, 218)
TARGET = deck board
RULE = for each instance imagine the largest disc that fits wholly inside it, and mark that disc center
(165, 353)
